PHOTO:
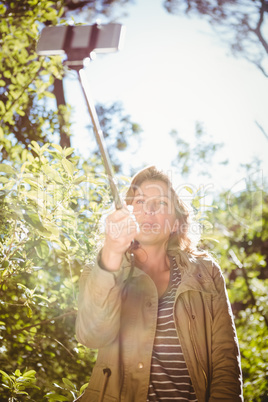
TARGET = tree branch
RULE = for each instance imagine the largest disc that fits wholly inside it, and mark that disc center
(23, 90)
(239, 264)
(257, 30)
(262, 129)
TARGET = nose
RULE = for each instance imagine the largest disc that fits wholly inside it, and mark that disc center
(150, 208)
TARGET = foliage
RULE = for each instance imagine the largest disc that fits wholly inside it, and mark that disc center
(240, 239)
(92, 9)
(119, 132)
(240, 23)
(18, 382)
(25, 80)
(29, 84)
(49, 227)
(234, 230)
(202, 153)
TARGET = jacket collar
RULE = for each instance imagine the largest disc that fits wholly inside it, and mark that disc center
(194, 273)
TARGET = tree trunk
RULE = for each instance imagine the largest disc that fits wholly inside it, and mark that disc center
(59, 94)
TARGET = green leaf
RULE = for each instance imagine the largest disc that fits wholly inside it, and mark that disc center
(34, 220)
(189, 189)
(52, 174)
(29, 312)
(69, 384)
(5, 375)
(58, 148)
(42, 249)
(83, 388)
(30, 373)
(80, 179)
(48, 94)
(207, 224)
(9, 185)
(7, 74)
(35, 147)
(42, 297)
(5, 264)
(196, 203)
(21, 285)
(57, 397)
(7, 169)
(33, 330)
(45, 147)
(68, 166)
(2, 9)
(2, 107)
(68, 151)
(7, 378)
(52, 229)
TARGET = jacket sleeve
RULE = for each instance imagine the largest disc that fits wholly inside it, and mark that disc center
(226, 382)
(99, 306)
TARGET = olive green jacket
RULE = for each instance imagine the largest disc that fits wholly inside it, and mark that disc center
(120, 321)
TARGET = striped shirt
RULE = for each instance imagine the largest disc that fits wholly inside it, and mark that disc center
(169, 380)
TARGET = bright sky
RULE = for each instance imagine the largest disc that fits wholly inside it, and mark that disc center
(172, 72)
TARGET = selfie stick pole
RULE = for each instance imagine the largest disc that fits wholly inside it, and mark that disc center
(99, 138)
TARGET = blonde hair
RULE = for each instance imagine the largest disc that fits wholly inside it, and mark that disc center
(181, 237)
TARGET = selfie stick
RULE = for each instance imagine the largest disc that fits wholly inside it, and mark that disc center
(100, 139)
(78, 42)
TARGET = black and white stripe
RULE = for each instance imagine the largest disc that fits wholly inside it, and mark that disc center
(169, 380)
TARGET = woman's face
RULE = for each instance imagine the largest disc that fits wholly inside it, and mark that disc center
(154, 212)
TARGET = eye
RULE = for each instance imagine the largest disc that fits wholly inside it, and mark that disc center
(163, 203)
(140, 201)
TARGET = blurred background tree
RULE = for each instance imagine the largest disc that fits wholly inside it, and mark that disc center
(195, 157)
(241, 246)
(234, 230)
(29, 111)
(240, 23)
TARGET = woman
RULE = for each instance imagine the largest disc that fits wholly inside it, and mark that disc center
(156, 308)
